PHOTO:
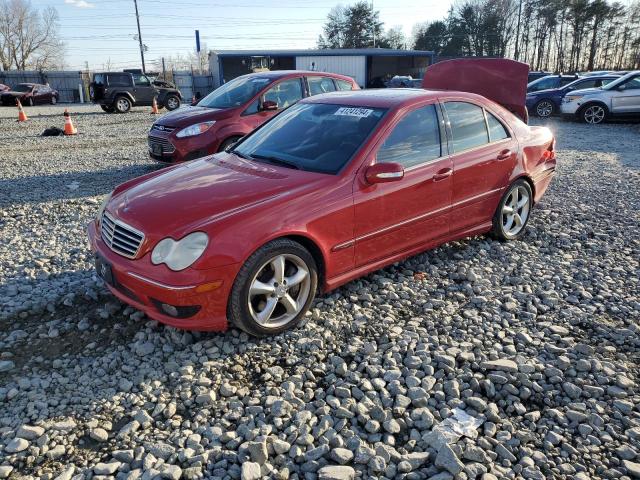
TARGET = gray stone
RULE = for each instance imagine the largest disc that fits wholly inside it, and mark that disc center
(336, 473)
(448, 460)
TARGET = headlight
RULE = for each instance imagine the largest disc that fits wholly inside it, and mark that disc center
(572, 98)
(104, 205)
(194, 130)
(178, 255)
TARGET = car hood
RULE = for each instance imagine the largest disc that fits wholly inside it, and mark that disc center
(185, 116)
(14, 94)
(196, 194)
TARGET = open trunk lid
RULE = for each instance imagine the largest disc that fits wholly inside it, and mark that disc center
(498, 79)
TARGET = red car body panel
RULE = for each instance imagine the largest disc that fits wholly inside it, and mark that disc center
(351, 226)
(231, 122)
(498, 79)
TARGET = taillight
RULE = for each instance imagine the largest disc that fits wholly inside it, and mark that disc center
(550, 152)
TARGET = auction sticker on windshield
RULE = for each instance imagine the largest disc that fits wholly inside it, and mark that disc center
(354, 111)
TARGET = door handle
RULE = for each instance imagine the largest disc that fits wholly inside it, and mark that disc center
(504, 154)
(442, 174)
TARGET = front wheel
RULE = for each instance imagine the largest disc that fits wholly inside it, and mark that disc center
(544, 108)
(594, 114)
(172, 102)
(513, 211)
(274, 288)
(228, 143)
(54, 100)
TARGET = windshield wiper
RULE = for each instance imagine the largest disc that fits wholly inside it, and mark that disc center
(276, 161)
(239, 154)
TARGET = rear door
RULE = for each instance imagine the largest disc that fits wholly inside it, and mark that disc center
(484, 153)
(627, 100)
(394, 217)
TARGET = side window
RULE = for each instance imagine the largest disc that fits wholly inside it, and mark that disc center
(567, 81)
(285, 93)
(496, 128)
(253, 108)
(414, 140)
(588, 84)
(98, 79)
(633, 84)
(607, 80)
(344, 85)
(141, 81)
(468, 127)
(318, 85)
(119, 80)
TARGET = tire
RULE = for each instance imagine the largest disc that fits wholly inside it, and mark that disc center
(594, 113)
(511, 226)
(107, 108)
(273, 307)
(544, 108)
(171, 102)
(30, 102)
(122, 104)
(54, 100)
(228, 143)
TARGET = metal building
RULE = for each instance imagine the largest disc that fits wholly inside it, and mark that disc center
(370, 67)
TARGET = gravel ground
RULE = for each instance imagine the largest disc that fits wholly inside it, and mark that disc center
(475, 360)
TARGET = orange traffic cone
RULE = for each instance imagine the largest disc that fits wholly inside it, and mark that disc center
(154, 107)
(69, 129)
(22, 117)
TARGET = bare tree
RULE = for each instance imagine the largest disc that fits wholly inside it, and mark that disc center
(29, 38)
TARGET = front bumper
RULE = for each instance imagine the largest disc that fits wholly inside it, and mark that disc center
(146, 287)
(570, 108)
(166, 147)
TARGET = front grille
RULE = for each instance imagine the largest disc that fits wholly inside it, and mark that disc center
(120, 237)
(160, 146)
(162, 128)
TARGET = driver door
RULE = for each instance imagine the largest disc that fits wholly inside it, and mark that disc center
(412, 212)
(284, 93)
(627, 100)
(143, 90)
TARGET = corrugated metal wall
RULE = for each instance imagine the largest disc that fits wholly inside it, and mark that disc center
(190, 85)
(353, 66)
(66, 83)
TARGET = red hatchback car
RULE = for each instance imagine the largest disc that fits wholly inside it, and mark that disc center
(30, 94)
(333, 187)
(236, 108)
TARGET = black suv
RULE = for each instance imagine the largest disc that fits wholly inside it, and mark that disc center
(119, 91)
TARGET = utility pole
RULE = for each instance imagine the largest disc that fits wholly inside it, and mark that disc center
(164, 71)
(135, 2)
(517, 52)
(373, 25)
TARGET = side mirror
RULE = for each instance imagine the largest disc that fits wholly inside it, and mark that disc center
(384, 172)
(621, 88)
(268, 105)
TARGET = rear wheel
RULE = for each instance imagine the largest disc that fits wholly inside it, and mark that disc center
(513, 211)
(229, 142)
(594, 114)
(122, 104)
(172, 102)
(544, 108)
(274, 288)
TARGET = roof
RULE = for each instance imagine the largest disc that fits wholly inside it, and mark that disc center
(324, 52)
(376, 98)
(297, 73)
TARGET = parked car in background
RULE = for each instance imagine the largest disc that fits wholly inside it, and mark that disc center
(236, 108)
(3, 87)
(334, 187)
(119, 91)
(550, 81)
(536, 75)
(30, 94)
(401, 81)
(619, 98)
(545, 103)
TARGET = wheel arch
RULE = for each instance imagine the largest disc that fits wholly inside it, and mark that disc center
(529, 180)
(591, 103)
(124, 94)
(315, 251)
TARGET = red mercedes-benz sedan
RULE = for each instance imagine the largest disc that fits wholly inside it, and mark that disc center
(236, 108)
(333, 187)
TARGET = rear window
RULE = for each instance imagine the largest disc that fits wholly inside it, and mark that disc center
(119, 80)
(98, 79)
(315, 137)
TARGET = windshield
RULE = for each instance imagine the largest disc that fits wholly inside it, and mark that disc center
(23, 88)
(619, 81)
(315, 137)
(235, 93)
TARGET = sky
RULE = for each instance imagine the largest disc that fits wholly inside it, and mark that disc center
(101, 31)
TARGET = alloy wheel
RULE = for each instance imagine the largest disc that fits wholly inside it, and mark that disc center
(279, 291)
(172, 103)
(122, 104)
(515, 211)
(594, 114)
(544, 109)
